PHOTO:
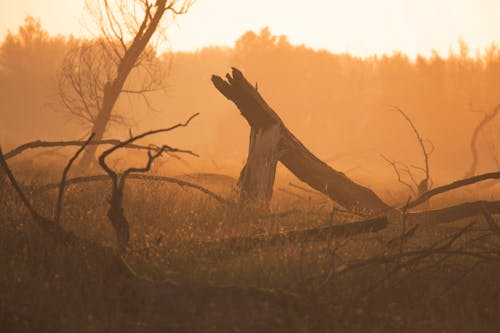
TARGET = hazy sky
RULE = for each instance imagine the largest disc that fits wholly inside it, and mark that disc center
(361, 27)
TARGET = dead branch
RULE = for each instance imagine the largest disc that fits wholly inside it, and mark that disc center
(48, 144)
(488, 117)
(238, 245)
(115, 211)
(322, 177)
(393, 163)
(54, 230)
(424, 185)
(453, 213)
(60, 196)
(292, 153)
(425, 153)
(145, 134)
(412, 256)
(454, 185)
(99, 178)
(44, 223)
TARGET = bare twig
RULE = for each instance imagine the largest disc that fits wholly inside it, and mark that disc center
(424, 185)
(419, 138)
(60, 195)
(398, 174)
(140, 136)
(488, 117)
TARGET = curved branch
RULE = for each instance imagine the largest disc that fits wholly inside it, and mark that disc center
(143, 135)
(473, 141)
(48, 144)
(100, 178)
(456, 184)
(60, 195)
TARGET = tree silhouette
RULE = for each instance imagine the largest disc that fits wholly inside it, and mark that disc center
(95, 74)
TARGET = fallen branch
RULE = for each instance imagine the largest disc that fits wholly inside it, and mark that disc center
(238, 245)
(308, 168)
(453, 213)
(100, 178)
(456, 184)
(413, 255)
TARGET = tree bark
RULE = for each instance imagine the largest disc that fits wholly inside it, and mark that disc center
(257, 177)
(109, 100)
(295, 156)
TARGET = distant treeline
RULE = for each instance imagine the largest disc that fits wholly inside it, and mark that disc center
(336, 103)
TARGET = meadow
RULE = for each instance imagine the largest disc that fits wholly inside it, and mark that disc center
(196, 264)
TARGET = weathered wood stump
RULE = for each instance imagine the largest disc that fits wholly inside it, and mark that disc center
(257, 177)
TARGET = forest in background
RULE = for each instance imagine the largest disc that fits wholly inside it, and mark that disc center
(85, 252)
(337, 104)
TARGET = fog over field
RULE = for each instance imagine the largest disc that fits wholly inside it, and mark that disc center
(159, 172)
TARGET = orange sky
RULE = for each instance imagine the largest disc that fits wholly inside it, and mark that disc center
(360, 27)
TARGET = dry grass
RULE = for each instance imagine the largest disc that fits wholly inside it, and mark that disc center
(47, 287)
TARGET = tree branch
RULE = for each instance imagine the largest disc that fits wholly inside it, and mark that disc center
(473, 141)
(48, 144)
(99, 178)
(456, 184)
(60, 196)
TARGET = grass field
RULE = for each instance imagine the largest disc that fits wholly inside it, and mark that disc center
(441, 278)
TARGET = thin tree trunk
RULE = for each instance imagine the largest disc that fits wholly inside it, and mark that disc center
(128, 61)
(109, 100)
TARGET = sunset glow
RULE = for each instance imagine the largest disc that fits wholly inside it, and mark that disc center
(249, 166)
(359, 27)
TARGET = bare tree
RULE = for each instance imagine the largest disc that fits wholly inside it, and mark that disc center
(115, 211)
(97, 72)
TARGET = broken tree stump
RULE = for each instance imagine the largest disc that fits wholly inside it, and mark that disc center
(255, 179)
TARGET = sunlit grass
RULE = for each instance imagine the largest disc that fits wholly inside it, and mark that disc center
(172, 229)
